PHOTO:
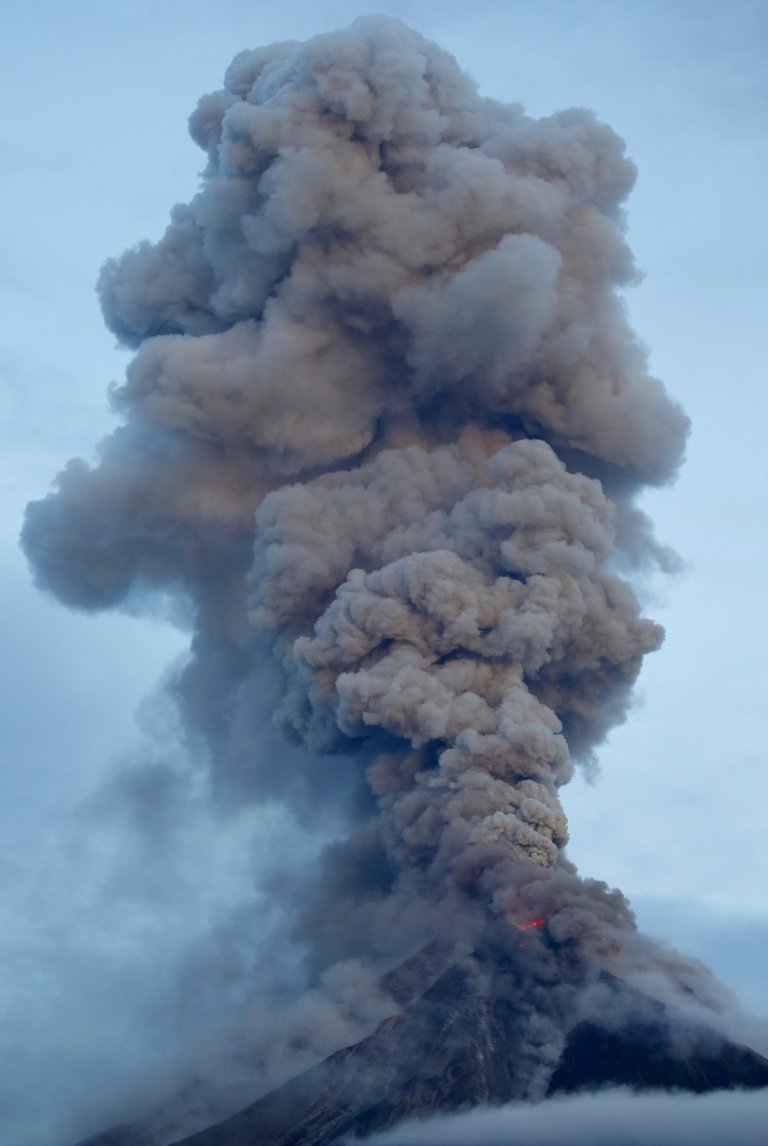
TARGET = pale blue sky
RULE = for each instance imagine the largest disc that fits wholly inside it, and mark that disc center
(94, 153)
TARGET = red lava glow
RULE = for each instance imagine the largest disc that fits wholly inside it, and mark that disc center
(531, 923)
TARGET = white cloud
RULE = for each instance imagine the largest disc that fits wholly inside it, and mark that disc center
(610, 1118)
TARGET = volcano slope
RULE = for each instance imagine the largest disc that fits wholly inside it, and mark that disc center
(455, 1043)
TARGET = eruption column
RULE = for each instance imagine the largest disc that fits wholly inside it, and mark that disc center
(388, 330)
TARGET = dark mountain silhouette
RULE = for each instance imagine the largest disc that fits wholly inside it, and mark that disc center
(454, 1047)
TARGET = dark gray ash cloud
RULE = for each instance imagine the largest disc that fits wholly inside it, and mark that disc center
(384, 433)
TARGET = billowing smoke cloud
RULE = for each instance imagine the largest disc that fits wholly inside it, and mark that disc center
(384, 433)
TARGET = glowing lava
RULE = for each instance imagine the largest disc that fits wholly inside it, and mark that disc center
(530, 923)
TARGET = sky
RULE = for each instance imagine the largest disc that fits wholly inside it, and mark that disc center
(95, 152)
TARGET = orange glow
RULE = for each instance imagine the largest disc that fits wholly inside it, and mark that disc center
(531, 923)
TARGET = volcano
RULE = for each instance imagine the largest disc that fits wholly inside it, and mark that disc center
(386, 435)
(455, 1043)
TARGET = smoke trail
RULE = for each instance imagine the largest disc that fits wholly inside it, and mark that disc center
(388, 330)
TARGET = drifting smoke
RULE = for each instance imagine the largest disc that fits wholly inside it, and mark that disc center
(386, 426)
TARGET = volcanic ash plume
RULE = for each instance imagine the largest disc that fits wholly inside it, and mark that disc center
(386, 419)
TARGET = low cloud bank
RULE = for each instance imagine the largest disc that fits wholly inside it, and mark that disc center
(610, 1118)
